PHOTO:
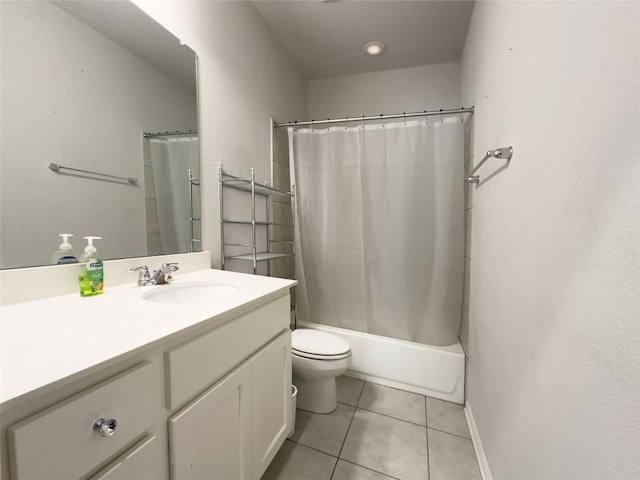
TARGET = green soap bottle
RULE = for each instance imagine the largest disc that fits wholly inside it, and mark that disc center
(91, 276)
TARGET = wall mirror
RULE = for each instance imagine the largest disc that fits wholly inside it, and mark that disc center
(82, 82)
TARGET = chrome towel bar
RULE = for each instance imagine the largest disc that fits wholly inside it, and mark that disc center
(56, 168)
(503, 152)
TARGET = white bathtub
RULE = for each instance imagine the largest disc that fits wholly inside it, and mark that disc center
(434, 371)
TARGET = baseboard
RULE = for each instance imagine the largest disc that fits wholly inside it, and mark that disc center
(477, 444)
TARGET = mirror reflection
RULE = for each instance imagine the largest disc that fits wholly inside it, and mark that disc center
(82, 83)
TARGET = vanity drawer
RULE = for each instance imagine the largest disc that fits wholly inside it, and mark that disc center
(60, 442)
(193, 366)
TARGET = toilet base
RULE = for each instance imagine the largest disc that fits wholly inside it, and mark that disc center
(317, 395)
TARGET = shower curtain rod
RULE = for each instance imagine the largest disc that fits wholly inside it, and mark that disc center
(377, 117)
(169, 134)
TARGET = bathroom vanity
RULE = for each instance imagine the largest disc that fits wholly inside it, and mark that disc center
(132, 385)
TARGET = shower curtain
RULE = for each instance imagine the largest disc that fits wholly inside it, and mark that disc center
(379, 227)
(171, 157)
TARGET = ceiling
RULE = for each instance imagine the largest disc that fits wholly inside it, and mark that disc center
(325, 37)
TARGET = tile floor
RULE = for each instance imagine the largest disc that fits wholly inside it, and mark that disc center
(378, 433)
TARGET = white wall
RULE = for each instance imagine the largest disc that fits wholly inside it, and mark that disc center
(554, 338)
(73, 97)
(244, 79)
(429, 87)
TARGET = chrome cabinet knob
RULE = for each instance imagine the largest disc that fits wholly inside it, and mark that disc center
(105, 427)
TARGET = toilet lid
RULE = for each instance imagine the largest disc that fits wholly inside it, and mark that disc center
(306, 341)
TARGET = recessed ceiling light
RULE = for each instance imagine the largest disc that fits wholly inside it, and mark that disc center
(374, 48)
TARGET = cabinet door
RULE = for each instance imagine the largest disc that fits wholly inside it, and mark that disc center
(211, 437)
(143, 461)
(271, 400)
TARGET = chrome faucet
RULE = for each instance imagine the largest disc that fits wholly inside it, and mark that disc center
(159, 277)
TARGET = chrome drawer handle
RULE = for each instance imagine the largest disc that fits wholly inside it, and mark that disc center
(105, 427)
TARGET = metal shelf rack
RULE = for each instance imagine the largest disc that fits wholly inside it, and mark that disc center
(194, 214)
(255, 189)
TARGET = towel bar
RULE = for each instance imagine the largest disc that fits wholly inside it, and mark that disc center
(56, 168)
(504, 152)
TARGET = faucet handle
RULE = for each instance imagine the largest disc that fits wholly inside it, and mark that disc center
(141, 269)
(143, 276)
(167, 269)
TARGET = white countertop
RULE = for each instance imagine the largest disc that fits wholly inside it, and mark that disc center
(47, 340)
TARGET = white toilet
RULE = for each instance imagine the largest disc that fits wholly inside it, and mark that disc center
(318, 358)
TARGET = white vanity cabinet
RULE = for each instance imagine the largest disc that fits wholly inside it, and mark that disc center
(139, 462)
(234, 429)
(211, 402)
(63, 441)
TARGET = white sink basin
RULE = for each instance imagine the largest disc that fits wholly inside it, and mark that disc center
(190, 292)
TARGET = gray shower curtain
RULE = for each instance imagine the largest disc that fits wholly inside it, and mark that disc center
(379, 227)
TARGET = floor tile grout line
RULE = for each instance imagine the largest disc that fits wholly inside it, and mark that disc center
(388, 416)
(398, 389)
(370, 469)
(343, 440)
(391, 416)
(426, 408)
(408, 421)
(313, 448)
(350, 422)
(364, 384)
(382, 414)
(348, 428)
(316, 448)
(413, 393)
(450, 433)
(346, 434)
(335, 465)
(424, 398)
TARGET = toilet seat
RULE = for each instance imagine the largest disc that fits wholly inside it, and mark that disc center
(318, 345)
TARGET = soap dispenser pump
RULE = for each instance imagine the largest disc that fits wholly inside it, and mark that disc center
(65, 253)
(91, 276)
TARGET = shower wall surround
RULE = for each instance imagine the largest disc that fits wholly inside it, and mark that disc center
(281, 206)
(468, 208)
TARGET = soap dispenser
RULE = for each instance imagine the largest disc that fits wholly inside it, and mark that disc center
(91, 276)
(65, 254)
